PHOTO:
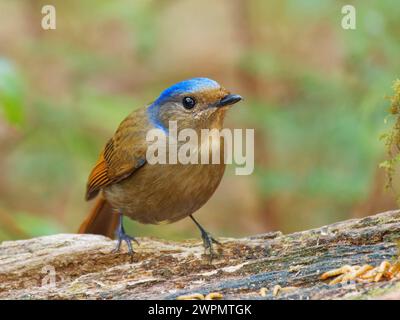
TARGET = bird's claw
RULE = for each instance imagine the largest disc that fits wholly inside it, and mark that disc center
(208, 242)
(122, 236)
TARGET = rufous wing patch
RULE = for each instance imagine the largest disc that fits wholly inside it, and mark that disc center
(114, 164)
(98, 178)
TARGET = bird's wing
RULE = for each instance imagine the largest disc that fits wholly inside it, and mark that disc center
(124, 153)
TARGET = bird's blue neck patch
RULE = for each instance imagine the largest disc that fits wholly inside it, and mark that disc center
(186, 86)
(152, 112)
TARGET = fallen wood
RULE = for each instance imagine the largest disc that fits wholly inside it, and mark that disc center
(70, 266)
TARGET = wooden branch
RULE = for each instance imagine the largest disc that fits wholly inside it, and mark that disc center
(69, 266)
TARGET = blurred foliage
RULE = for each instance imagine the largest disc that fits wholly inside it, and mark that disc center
(313, 91)
(11, 93)
(392, 138)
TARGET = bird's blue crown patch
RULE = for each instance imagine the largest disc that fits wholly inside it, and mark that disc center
(188, 86)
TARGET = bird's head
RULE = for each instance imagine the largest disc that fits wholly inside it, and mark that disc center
(197, 103)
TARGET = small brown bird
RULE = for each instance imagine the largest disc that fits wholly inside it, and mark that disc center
(124, 181)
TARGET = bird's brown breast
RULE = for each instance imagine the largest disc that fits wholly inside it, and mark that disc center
(157, 193)
(165, 192)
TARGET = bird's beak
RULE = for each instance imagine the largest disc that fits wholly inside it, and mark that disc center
(229, 99)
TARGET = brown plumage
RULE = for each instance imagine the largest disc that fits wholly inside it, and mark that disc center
(154, 193)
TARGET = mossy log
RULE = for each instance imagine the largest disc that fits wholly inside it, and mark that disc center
(71, 266)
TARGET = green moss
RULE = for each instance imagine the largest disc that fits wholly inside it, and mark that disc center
(392, 138)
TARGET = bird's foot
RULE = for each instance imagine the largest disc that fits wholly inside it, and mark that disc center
(122, 236)
(208, 242)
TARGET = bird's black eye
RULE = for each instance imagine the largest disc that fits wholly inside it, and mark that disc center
(188, 102)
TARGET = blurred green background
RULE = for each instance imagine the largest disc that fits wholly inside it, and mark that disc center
(314, 93)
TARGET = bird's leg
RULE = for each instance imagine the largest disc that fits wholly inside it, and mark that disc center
(122, 236)
(208, 240)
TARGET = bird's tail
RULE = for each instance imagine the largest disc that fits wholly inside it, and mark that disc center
(101, 220)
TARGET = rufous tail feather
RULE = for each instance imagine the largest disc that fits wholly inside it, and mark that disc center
(101, 220)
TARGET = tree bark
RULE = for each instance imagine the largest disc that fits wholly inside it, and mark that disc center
(71, 266)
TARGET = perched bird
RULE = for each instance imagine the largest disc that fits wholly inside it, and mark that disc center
(124, 182)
